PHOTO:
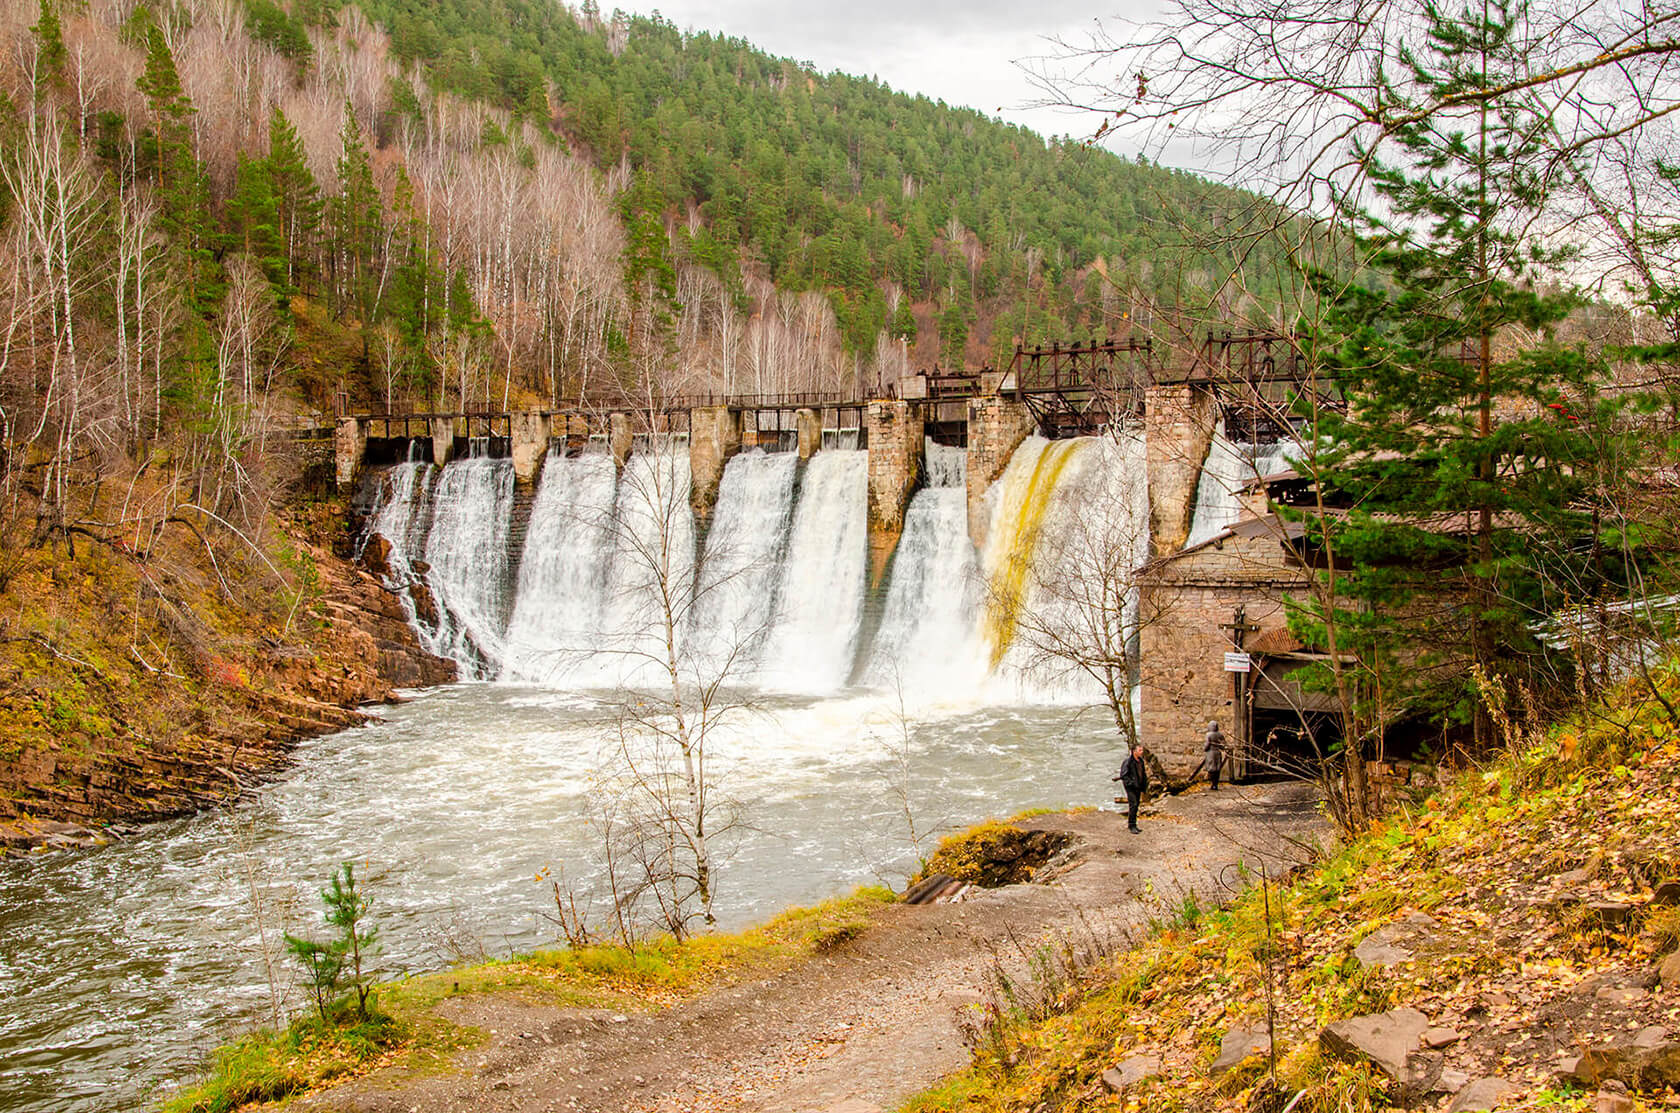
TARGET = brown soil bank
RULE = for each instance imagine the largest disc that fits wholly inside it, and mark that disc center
(138, 688)
(870, 1021)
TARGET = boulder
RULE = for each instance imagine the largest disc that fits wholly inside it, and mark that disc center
(425, 606)
(1131, 1071)
(1394, 943)
(1481, 1095)
(1610, 913)
(1587, 874)
(1668, 971)
(1648, 1060)
(1612, 1101)
(376, 555)
(1437, 1038)
(1239, 1044)
(1389, 1041)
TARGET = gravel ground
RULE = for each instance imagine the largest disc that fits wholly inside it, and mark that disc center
(878, 1019)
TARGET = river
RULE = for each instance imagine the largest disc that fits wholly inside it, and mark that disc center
(123, 966)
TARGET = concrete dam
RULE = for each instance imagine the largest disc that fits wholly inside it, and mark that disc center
(815, 560)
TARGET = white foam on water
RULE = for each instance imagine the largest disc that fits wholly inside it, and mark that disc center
(819, 604)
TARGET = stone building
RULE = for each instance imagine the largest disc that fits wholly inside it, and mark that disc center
(1214, 646)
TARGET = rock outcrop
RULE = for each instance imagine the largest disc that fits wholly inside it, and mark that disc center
(360, 651)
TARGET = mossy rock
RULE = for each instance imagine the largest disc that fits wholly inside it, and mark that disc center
(994, 854)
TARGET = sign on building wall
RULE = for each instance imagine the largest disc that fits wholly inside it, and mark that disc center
(1236, 662)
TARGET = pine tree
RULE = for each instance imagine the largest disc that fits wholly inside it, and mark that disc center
(904, 321)
(49, 36)
(183, 186)
(297, 201)
(358, 220)
(254, 220)
(1457, 469)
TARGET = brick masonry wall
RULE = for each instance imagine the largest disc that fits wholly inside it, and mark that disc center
(1184, 602)
(714, 435)
(1179, 423)
(895, 471)
(996, 428)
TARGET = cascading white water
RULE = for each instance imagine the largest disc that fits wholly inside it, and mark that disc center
(467, 549)
(927, 645)
(650, 583)
(609, 561)
(557, 612)
(401, 516)
(1228, 469)
(944, 465)
(1068, 527)
(743, 563)
(819, 604)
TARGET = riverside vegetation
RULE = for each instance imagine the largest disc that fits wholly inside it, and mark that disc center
(1528, 911)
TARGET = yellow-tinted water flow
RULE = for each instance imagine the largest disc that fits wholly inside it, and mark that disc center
(1021, 517)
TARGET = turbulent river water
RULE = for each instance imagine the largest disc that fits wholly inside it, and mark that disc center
(121, 967)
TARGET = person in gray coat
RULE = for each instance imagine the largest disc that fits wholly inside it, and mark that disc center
(1213, 754)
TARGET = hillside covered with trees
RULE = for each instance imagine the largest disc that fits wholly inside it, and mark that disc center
(219, 220)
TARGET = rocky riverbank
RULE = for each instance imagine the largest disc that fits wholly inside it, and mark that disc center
(101, 743)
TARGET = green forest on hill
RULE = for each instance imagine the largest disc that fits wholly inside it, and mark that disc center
(837, 183)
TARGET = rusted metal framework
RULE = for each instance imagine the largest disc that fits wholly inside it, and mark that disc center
(1079, 388)
(1263, 382)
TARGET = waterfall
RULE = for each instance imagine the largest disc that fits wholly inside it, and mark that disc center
(945, 465)
(650, 581)
(745, 547)
(467, 551)
(1022, 501)
(609, 574)
(400, 515)
(1069, 527)
(562, 579)
(1228, 469)
(926, 643)
(819, 604)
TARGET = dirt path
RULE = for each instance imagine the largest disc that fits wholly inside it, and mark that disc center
(870, 1024)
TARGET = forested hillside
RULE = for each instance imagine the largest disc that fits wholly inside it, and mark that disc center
(838, 184)
(219, 218)
(516, 199)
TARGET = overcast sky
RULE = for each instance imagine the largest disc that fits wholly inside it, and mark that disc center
(960, 51)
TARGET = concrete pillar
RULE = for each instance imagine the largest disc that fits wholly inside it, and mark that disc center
(619, 437)
(996, 428)
(894, 430)
(530, 446)
(808, 424)
(1178, 426)
(349, 446)
(443, 440)
(748, 423)
(714, 435)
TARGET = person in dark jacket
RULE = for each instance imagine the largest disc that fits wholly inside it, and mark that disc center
(1134, 778)
(1213, 755)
